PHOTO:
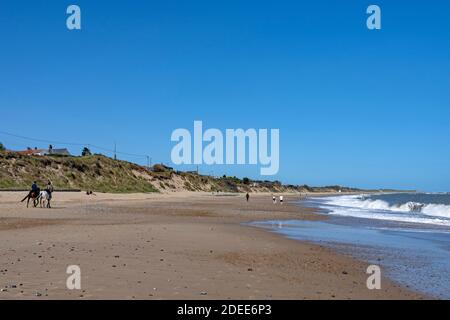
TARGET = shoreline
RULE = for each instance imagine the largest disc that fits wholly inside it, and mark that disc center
(346, 249)
(412, 254)
(172, 246)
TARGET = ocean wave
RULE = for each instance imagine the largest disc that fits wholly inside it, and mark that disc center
(437, 210)
(365, 207)
(391, 217)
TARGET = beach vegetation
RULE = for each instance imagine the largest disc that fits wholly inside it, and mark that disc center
(86, 152)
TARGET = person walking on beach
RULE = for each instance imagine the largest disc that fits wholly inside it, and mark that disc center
(274, 199)
(247, 196)
(281, 199)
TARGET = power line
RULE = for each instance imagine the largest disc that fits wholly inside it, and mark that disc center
(74, 144)
(41, 140)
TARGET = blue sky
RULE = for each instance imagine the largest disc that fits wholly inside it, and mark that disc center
(354, 107)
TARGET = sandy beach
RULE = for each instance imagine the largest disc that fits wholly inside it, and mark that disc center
(170, 246)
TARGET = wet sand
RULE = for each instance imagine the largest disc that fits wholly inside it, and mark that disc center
(171, 246)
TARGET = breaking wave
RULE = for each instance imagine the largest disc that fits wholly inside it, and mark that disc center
(365, 206)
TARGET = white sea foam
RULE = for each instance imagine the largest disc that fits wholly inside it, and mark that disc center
(437, 210)
(362, 206)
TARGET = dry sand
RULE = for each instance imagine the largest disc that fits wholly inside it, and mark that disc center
(171, 246)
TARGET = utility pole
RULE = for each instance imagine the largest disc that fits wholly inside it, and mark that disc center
(115, 151)
(149, 162)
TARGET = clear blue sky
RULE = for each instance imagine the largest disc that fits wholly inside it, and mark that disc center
(354, 107)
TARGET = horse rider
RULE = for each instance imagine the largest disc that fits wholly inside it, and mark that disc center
(49, 189)
(34, 187)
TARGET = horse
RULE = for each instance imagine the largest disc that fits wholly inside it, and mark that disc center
(43, 197)
(33, 194)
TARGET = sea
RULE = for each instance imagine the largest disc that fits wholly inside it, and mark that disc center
(406, 234)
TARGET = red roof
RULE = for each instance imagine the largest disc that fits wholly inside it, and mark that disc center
(29, 152)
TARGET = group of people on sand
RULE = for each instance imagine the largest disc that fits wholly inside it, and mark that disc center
(274, 199)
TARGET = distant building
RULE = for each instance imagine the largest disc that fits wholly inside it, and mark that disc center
(44, 152)
(32, 152)
(62, 151)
